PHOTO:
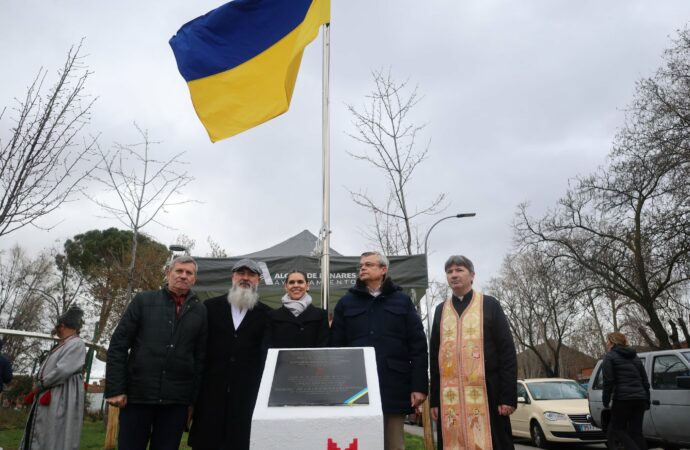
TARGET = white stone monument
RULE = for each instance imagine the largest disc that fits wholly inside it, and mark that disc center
(318, 399)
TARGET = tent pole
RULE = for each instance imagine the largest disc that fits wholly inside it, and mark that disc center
(326, 163)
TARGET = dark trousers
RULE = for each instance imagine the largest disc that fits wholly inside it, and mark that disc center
(163, 425)
(626, 424)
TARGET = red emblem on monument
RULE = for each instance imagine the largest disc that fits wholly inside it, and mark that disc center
(333, 446)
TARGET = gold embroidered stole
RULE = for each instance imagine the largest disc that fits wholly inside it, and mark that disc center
(464, 402)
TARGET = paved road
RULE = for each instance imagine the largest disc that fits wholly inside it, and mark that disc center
(520, 444)
(524, 444)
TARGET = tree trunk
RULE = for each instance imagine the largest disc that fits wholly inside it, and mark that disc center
(132, 263)
(657, 327)
(684, 327)
(674, 334)
(600, 328)
(650, 342)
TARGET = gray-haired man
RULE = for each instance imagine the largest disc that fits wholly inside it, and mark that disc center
(377, 313)
(155, 361)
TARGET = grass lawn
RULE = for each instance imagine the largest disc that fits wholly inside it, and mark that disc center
(93, 433)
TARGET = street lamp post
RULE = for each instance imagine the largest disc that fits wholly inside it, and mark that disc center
(426, 254)
(428, 437)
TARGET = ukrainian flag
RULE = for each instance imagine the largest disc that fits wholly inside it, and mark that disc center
(241, 60)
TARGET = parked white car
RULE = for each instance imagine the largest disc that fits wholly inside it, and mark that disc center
(553, 410)
(667, 422)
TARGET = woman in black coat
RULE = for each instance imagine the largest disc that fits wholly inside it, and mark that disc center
(625, 378)
(298, 323)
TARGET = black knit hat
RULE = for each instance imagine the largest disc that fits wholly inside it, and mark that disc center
(73, 318)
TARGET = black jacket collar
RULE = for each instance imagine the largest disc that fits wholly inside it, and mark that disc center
(387, 287)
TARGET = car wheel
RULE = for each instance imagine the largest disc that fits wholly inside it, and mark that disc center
(538, 437)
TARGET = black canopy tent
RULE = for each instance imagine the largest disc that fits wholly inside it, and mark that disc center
(213, 277)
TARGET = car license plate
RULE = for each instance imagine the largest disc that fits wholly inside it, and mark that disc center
(587, 427)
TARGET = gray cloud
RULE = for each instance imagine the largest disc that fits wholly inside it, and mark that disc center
(519, 97)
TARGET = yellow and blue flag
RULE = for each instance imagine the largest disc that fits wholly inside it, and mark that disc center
(241, 60)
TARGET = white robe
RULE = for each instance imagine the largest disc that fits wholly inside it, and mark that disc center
(58, 426)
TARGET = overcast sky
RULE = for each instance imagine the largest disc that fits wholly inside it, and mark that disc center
(519, 96)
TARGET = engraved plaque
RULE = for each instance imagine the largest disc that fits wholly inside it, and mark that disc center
(319, 377)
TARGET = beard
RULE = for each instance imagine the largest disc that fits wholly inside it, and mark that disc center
(243, 298)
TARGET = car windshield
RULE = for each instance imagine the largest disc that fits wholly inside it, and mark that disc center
(556, 390)
(687, 355)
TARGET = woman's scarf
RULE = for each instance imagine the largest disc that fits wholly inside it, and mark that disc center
(296, 307)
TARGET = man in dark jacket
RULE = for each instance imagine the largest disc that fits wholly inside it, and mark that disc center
(376, 313)
(234, 364)
(625, 378)
(155, 361)
(5, 370)
(472, 357)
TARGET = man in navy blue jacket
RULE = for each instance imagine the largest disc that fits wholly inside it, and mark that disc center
(377, 313)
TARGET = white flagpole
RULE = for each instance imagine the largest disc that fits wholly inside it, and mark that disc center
(326, 165)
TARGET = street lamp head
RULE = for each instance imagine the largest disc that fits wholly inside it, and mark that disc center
(177, 248)
(459, 216)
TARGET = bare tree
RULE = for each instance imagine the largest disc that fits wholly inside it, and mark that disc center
(538, 302)
(42, 164)
(187, 242)
(626, 225)
(216, 250)
(21, 306)
(436, 294)
(66, 290)
(602, 311)
(390, 138)
(143, 186)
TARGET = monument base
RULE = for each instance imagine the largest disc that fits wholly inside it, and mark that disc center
(343, 433)
(353, 426)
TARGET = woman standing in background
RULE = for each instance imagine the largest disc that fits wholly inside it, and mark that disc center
(625, 378)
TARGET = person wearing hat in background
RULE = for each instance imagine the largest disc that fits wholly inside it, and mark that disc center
(5, 370)
(57, 406)
(234, 363)
(626, 381)
(155, 358)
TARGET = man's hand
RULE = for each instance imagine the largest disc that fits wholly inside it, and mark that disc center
(434, 413)
(416, 399)
(505, 410)
(119, 401)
